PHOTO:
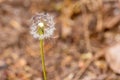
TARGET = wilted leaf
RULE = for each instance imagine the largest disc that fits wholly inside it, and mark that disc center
(113, 57)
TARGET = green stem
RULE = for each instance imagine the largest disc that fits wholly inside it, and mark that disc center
(43, 60)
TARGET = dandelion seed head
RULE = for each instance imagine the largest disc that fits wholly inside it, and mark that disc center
(44, 21)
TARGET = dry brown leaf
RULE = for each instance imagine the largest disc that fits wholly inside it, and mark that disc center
(113, 57)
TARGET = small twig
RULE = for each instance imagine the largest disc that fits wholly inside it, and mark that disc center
(95, 57)
(87, 34)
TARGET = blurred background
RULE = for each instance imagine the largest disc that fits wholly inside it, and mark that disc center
(85, 46)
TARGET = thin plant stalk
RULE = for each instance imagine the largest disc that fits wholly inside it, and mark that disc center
(41, 32)
(43, 60)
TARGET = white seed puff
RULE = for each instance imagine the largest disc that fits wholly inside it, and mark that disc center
(44, 21)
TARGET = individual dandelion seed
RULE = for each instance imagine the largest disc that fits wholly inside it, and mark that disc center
(42, 28)
(40, 21)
